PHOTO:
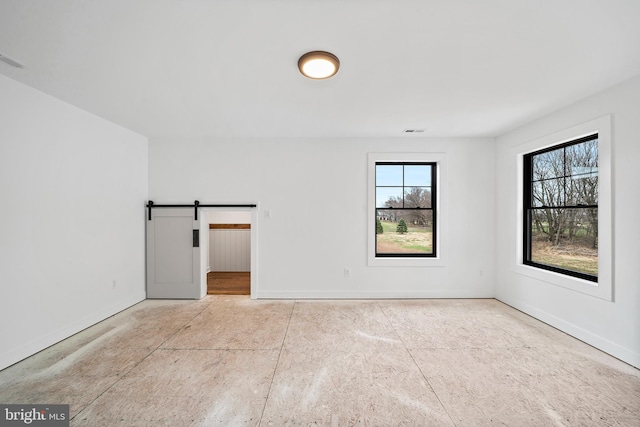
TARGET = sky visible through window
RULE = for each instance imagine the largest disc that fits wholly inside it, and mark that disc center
(389, 181)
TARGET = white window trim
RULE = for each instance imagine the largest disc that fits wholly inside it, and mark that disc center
(604, 287)
(441, 209)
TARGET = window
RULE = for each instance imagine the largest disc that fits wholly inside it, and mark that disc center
(600, 285)
(405, 209)
(560, 212)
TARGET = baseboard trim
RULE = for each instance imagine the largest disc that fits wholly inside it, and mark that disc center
(625, 354)
(395, 294)
(15, 355)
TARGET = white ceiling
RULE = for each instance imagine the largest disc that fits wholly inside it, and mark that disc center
(228, 68)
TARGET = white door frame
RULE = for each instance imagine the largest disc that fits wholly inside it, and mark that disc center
(202, 214)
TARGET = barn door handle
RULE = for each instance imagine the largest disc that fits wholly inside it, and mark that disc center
(196, 238)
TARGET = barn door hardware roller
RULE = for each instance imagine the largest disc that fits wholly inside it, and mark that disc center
(196, 204)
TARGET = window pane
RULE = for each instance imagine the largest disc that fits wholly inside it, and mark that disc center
(582, 166)
(388, 197)
(417, 197)
(582, 158)
(549, 192)
(561, 225)
(414, 237)
(389, 175)
(582, 190)
(417, 175)
(565, 238)
(548, 165)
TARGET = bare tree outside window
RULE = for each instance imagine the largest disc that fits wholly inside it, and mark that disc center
(561, 208)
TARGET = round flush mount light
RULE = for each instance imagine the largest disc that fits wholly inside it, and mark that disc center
(318, 64)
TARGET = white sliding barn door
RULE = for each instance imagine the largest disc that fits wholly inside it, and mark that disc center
(173, 255)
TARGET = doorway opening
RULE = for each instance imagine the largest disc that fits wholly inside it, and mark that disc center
(229, 283)
(231, 251)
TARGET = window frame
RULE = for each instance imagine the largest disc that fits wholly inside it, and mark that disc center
(433, 209)
(604, 288)
(528, 181)
(441, 203)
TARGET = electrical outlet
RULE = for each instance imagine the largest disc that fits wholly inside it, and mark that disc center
(347, 272)
(113, 284)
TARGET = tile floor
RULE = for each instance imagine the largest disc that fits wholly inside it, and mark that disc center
(228, 360)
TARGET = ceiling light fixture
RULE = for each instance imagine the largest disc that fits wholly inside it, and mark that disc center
(318, 64)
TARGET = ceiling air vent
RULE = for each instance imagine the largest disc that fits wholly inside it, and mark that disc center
(10, 61)
(413, 131)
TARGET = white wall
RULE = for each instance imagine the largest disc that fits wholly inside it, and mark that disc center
(316, 193)
(72, 195)
(613, 326)
(230, 250)
(228, 217)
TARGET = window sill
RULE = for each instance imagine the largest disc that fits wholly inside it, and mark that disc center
(598, 290)
(405, 262)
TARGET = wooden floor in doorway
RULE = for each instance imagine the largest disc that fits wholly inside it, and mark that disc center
(229, 283)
